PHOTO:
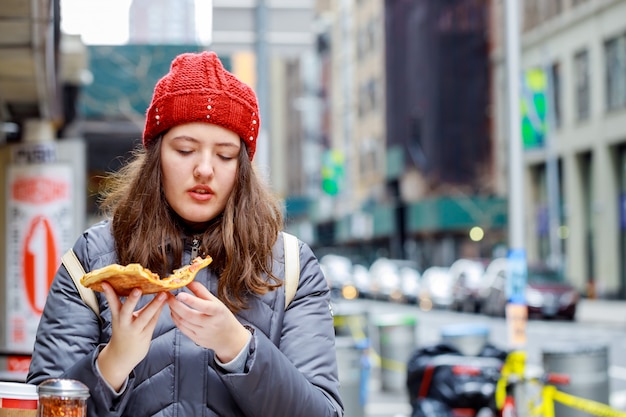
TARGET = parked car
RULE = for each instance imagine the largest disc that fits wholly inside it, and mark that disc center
(436, 288)
(548, 293)
(410, 282)
(338, 272)
(492, 294)
(394, 280)
(467, 277)
(362, 280)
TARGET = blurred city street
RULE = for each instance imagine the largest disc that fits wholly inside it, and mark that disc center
(440, 158)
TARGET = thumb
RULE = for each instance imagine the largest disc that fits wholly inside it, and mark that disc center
(200, 291)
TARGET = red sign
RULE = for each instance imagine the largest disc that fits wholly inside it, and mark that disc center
(18, 364)
(40, 261)
(39, 226)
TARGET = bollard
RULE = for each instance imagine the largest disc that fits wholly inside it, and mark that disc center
(397, 340)
(352, 373)
(352, 329)
(587, 366)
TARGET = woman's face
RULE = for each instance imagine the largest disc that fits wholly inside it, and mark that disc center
(199, 164)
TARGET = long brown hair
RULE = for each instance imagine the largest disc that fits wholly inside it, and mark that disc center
(240, 240)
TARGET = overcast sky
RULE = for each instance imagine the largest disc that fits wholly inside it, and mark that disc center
(105, 22)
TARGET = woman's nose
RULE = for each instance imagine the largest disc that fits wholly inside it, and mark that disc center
(204, 167)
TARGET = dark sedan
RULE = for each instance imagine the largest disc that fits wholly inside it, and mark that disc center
(548, 293)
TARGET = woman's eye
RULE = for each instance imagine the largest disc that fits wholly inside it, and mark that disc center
(226, 157)
(184, 151)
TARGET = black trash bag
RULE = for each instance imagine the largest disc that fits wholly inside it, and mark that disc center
(441, 372)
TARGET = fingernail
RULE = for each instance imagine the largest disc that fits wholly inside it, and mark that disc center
(136, 292)
(161, 296)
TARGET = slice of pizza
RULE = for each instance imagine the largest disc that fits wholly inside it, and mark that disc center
(123, 278)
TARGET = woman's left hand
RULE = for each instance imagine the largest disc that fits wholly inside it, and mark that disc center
(208, 322)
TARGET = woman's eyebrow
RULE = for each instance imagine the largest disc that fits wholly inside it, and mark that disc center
(185, 138)
(228, 144)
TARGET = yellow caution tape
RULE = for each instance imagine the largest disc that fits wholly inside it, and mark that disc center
(353, 324)
(392, 365)
(589, 406)
(514, 367)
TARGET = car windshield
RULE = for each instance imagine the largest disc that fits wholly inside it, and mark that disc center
(544, 276)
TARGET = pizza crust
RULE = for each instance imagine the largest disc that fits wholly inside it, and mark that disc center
(124, 278)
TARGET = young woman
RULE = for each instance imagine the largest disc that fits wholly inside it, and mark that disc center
(226, 345)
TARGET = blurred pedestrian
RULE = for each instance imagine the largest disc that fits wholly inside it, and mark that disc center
(226, 345)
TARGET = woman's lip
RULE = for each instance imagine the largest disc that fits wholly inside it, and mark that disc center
(201, 193)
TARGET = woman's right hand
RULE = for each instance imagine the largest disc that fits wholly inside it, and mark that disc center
(131, 334)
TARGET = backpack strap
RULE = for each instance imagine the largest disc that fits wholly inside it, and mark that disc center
(76, 270)
(292, 266)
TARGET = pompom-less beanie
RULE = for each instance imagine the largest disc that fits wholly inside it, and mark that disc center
(199, 89)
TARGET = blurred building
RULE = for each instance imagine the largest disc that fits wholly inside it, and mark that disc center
(574, 129)
(162, 22)
(407, 159)
(30, 57)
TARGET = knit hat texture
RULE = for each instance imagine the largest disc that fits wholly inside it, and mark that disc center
(199, 89)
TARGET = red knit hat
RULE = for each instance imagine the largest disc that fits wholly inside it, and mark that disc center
(199, 89)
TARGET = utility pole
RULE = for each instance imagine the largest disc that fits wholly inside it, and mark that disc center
(516, 310)
(262, 150)
(516, 168)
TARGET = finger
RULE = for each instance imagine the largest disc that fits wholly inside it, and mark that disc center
(112, 299)
(187, 332)
(153, 309)
(185, 317)
(131, 302)
(189, 305)
(183, 325)
(154, 319)
(201, 291)
(181, 309)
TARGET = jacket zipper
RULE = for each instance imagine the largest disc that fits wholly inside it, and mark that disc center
(195, 248)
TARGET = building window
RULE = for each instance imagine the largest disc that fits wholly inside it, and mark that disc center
(552, 8)
(361, 49)
(531, 14)
(581, 79)
(368, 97)
(615, 55)
(369, 157)
(372, 31)
(555, 77)
(537, 12)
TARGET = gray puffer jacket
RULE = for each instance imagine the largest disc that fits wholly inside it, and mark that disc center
(291, 368)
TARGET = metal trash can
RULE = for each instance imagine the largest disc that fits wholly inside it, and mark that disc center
(397, 334)
(351, 320)
(587, 366)
(353, 372)
(469, 338)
